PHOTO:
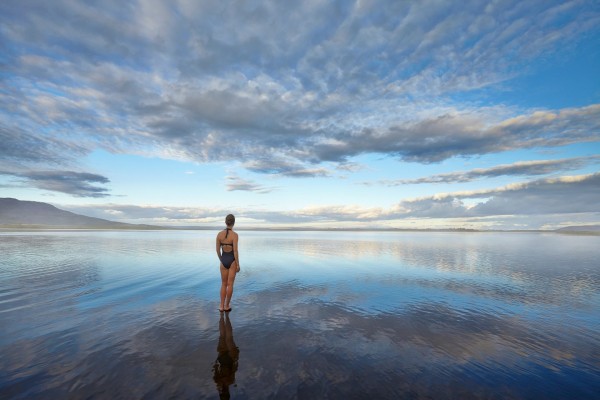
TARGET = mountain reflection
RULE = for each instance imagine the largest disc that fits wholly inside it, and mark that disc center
(226, 364)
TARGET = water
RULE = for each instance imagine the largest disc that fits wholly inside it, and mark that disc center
(315, 315)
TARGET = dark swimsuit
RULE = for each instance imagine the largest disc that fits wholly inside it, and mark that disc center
(227, 257)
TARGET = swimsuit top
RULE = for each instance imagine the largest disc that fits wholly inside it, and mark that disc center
(226, 244)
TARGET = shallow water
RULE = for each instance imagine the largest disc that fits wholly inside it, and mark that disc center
(315, 315)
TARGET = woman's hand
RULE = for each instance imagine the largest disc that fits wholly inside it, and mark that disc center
(238, 269)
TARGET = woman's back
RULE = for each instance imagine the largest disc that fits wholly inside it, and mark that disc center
(226, 239)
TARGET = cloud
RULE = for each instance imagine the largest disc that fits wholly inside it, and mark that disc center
(578, 194)
(549, 202)
(28, 157)
(563, 195)
(350, 167)
(191, 81)
(19, 147)
(236, 183)
(522, 168)
(283, 167)
(78, 184)
(451, 135)
(150, 213)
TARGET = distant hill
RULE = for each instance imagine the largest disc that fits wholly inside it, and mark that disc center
(17, 214)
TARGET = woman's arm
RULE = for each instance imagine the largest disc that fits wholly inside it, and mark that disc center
(235, 252)
(218, 248)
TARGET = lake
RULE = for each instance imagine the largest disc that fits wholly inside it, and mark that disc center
(386, 315)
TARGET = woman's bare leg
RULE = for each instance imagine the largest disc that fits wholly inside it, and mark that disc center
(230, 279)
(224, 278)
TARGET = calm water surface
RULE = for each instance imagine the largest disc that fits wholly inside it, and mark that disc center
(134, 315)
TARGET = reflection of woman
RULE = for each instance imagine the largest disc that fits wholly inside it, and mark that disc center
(227, 240)
(226, 363)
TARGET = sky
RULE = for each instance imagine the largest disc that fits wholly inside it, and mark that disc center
(322, 114)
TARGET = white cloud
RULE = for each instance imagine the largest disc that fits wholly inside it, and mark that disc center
(234, 182)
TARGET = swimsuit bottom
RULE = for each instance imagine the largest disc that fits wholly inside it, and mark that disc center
(227, 258)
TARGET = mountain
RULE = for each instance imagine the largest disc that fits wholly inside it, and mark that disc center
(32, 214)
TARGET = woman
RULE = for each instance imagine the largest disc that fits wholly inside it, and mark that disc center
(227, 240)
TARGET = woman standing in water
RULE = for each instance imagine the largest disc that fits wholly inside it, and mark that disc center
(227, 241)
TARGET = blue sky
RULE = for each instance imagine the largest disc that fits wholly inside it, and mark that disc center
(372, 114)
